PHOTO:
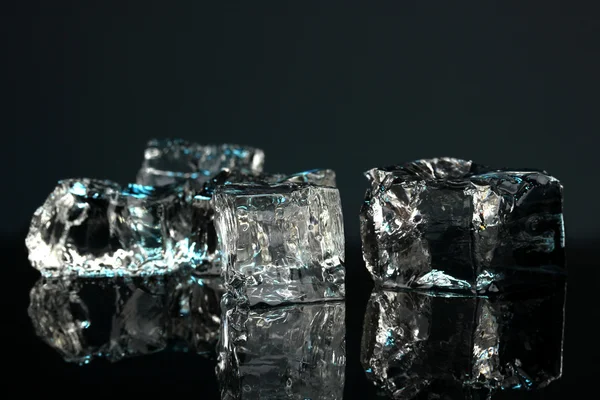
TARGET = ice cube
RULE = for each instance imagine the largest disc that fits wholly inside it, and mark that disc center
(90, 227)
(449, 224)
(281, 242)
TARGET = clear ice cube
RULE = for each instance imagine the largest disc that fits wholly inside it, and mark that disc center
(282, 242)
(116, 318)
(419, 345)
(96, 228)
(168, 161)
(449, 224)
(284, 352)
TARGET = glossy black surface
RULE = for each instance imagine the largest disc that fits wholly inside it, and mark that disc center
(180, 373)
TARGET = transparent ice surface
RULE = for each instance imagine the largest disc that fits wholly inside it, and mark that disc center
(449, 224)
(282, 242)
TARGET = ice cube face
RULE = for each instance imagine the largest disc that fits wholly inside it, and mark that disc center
(96, 228)
(281, 243)
(116, 318)
(168, 161)
(450, 224)
(418, 343)
(285, 352)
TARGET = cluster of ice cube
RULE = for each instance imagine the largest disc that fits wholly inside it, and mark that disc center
(468, 264)
(156, 256)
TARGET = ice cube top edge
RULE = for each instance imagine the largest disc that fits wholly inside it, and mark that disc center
(439, 168)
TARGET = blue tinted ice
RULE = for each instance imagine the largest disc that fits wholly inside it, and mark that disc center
(97, 228)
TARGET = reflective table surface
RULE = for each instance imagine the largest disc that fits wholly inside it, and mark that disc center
(176, 372)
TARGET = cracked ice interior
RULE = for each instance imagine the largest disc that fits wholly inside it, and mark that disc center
(283, 242)
(450, 224)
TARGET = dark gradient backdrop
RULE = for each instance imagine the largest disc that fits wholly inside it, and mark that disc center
(346, 87)
(86, 84)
